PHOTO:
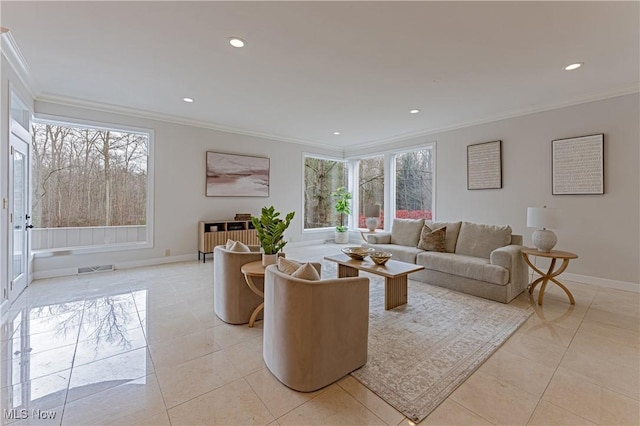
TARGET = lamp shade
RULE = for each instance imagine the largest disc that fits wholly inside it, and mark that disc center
(543, 218)
(372, 210)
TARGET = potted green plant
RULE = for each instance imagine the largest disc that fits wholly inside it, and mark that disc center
(270, 229)
(342, 206)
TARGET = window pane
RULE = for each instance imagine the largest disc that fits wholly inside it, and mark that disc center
(89, 185)
(371, 189)
(414, 184)
(321, 178)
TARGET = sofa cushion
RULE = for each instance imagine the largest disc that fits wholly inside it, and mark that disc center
(453, 229)
(472, 267)
(432, 240)
(406, 232)
(237, 247)
(379, 238)
(480, 240)
(306, 272)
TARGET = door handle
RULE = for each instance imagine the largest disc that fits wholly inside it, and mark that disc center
(29, 226)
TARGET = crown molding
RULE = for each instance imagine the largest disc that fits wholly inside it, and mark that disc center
(11, 51)
(407, 136)
(380, 143)
(150, 115)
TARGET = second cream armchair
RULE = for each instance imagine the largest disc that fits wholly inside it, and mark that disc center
(315, 332)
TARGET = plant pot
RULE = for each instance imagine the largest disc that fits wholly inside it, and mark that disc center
(341, 237)
(269, 259)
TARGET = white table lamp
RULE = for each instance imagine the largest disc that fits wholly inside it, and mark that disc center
(543, 218)
(372, 213)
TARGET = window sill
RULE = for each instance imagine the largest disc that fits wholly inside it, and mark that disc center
(71, 251)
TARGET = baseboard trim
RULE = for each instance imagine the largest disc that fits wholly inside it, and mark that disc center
(65, 272)
(54, 273)
(156, 261)
(602, 282)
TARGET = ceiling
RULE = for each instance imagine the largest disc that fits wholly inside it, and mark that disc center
(310, 69)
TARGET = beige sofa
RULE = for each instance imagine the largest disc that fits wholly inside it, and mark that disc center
(481, 260)
(315, 332)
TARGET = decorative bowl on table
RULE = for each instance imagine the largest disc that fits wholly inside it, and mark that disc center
(357, 253)
(379, 257)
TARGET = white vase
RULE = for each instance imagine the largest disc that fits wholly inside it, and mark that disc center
(269, 259)
(372, 223)
(341, 237)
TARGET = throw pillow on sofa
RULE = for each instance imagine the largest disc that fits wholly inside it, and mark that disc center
(480, 240)
(453, 229)
(406, 232)
(432, 240)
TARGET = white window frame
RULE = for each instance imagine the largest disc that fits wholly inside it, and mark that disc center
(63, 121)
(389, 156)
(392, 169)
(348, 165)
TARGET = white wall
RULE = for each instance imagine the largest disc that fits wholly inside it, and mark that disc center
(179, 187)
(604, 230)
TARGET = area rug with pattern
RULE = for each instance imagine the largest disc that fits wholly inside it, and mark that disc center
(419, 353)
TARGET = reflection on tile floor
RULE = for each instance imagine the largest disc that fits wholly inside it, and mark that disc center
(143, 346)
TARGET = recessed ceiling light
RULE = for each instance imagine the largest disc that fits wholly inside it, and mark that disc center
(336, 133)
(414, 111)
(236, 42)
(188, 100)
(574, 66)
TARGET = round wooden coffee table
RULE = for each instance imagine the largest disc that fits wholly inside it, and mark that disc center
(250, 270)
(550, 275)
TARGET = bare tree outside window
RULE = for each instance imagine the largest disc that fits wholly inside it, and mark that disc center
(321, 178)
(371, 188)
(414, 184)
(88, 177)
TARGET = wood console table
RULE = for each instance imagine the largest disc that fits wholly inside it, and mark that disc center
(550, 275)
(213, 233)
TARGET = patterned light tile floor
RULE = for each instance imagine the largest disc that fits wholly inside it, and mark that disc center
(143, 346)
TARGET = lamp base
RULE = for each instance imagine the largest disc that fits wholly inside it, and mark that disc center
(544, 240)
(372, 223)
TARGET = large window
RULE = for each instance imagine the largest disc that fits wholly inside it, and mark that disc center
(90, 186)
(414, 184)
(370, 188)
(322, 177)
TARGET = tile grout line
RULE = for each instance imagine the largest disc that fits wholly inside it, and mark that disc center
(73, 361)
(560, 362)
(365, 407)
(148, 349)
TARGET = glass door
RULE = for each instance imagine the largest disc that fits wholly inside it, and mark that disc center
(18, 211)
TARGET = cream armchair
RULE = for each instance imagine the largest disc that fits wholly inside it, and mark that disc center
(233, 301)
(315, 332)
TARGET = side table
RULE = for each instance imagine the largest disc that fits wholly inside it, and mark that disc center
(250, 270)
(550, 275)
